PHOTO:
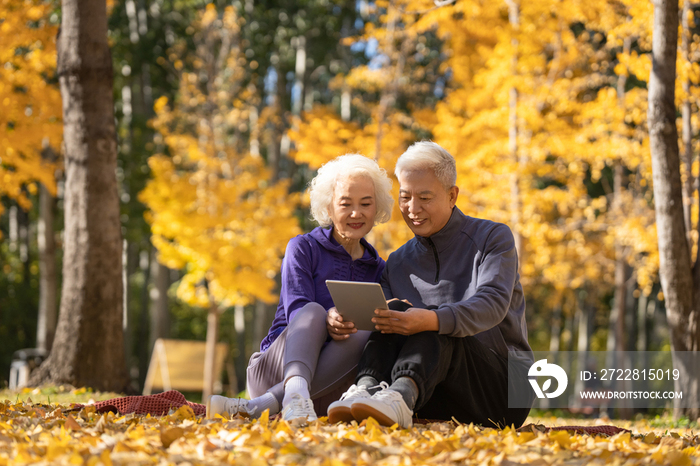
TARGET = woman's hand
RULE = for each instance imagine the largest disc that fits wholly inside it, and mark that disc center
(414, 320)
(338, 329)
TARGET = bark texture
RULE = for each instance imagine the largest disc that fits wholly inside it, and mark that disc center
(687, 125)
(674, 254)
(88, 349)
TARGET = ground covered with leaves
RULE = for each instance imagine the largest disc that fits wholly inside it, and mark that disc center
(54, 433)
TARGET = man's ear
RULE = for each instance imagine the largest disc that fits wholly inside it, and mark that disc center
(452, 194)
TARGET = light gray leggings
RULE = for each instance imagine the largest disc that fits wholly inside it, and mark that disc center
(300, 350)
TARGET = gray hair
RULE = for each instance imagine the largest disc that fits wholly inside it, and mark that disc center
(322, 187)
(429, 155)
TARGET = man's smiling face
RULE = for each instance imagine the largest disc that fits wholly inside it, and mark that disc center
(425, 204)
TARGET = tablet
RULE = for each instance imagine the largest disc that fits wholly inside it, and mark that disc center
(356, 301)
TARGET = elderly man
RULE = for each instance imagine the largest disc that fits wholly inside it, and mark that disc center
(445, 354)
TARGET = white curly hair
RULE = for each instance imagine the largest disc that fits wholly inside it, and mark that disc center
(322, 187)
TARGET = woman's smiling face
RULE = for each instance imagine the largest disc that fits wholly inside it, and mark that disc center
(354, 207)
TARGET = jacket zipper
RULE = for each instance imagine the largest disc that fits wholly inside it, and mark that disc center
(437, 260)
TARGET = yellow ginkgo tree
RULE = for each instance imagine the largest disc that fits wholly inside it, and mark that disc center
(30, 106)
(213, 209)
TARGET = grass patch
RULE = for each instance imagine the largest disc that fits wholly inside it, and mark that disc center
(667, 421)
(62, 394)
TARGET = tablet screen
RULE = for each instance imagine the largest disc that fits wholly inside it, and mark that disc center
(356, 301)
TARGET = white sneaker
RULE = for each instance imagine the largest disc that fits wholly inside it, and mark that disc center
(339, 411)
(299, 408)
(218, 404)
(386, 406)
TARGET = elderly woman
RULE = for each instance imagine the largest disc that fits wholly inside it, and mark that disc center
(309, 352)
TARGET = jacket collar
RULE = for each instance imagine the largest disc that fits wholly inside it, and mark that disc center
(325, 238)
(447, 235)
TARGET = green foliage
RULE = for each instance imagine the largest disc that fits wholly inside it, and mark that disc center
(19, 291)
(19, 300)
(667, 421)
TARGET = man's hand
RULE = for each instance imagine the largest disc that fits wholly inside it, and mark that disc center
(337, 329)
(414, 320)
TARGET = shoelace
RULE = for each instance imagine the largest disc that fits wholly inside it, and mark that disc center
(235, 406)
(357, 389)
(354, 390)
(382, 386)
(391, 395)
(302, 405)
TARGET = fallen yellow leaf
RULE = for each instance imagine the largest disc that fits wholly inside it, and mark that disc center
(105, 458)
(289, 449)
(183, 412)
(168, 436)
(562, 437)
(76, 459)
(72, 424)
(677, 458)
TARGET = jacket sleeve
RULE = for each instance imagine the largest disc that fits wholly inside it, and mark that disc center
(297, 288)
(384, 281)
(488, 306)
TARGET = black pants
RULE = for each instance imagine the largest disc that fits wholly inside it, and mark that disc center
(456, 377)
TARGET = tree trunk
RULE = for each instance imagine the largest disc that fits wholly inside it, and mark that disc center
(278, 129)
(674, 256)
(630, 310)
(621, 275)
(345, 104)
(518, 161)
(582, 343)
(621, 268)
(241, 359)
(210, 350)
(687, 133)
(46, 325)
(89, 346)
(13, 228)
(555, 336)
(259, 324)
(127, 323)
(144, 348)
(160, 314)
(23, 238)
(299, 71)
(642, 340)
(570, 323)
(131, 262)
(254, 132)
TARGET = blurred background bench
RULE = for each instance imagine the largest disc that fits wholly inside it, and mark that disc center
(179, 365)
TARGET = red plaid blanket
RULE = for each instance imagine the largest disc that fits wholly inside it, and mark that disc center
(155, 405)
